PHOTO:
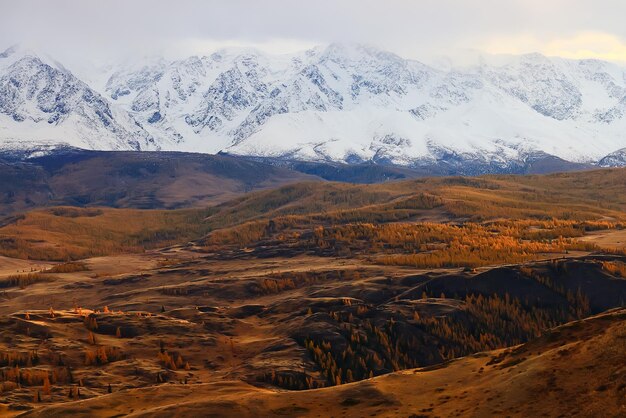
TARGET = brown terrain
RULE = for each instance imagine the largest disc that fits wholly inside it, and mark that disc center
(573, 370)
(489, 296)
(144, 180)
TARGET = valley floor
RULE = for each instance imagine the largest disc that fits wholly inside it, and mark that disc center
(575, 370)
(185, 334)
(491, 296)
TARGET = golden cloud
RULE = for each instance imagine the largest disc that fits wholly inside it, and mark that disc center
(582, 45)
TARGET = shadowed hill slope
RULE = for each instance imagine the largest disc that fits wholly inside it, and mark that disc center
(154, 180)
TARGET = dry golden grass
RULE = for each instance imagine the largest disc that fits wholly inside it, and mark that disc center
(72, 233)
(69, 267)
(611, 240)
(574, 370)
(227, 320)
(590, 195)
(337, 292)
(23, 280)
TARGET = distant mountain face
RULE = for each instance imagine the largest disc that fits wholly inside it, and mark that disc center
(42, 102)
(614, 159)
(155, 180)
(349, 104)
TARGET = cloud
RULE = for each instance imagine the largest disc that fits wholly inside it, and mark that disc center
(582, 45)
(91, 28)
(196, 46)
(589, 45)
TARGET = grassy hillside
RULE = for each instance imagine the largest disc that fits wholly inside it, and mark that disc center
(588, 195)
(573, 370)
(67, 233)
(274, 296)
(580, 202)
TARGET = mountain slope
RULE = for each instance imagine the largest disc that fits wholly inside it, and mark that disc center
(574, 370)
(342, 103)
(132, 179)
(42, 102)
(354, 103)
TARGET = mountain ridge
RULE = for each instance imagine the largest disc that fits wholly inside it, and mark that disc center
(341, 104)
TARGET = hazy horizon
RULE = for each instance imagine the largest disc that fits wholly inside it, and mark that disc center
(412, 29)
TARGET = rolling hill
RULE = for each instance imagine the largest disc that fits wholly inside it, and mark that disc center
(131, 179)
(425, 297)
(575, 369)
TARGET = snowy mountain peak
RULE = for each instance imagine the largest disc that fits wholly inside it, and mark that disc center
(42, 102)
(342, 102)
(19, 52)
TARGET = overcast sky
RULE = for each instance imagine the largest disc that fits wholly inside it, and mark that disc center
(415, 29)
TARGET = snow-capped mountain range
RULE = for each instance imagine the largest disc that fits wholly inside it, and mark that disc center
(342, 103)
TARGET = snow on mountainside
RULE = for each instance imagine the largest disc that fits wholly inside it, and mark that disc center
(41, 102)
(340, 103)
